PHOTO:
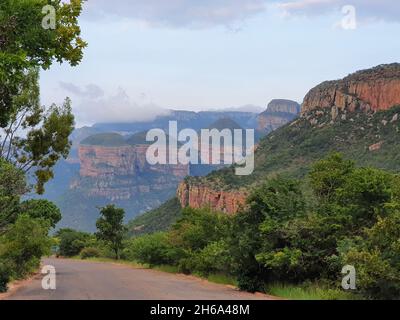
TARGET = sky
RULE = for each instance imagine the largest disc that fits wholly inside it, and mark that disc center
(147, 56)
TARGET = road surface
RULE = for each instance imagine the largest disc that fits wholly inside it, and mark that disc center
(83, 280)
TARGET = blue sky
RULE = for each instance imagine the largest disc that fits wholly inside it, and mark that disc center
(145, 56)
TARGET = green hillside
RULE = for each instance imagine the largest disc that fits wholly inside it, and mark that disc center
(291, 149)
(105, 140)
(159, 219)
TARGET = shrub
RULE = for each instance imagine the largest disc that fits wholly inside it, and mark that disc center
(72, 242)
(25, 243)
(90, 252)
(151, 249)
(5, 274)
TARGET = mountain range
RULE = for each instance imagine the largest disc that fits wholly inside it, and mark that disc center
(358, 116)
(107, 162)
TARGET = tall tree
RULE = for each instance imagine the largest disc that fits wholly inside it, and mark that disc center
(111, 228)
(25, 43)
(33, 136)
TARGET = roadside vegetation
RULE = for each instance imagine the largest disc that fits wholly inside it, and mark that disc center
(32, 137)
(293, 239)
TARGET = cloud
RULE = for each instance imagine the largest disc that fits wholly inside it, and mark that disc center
(367, 10)
(177, 13)
(90, 108)
(90, 91)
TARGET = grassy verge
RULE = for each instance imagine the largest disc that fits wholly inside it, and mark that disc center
(310, 292)
(290, 292)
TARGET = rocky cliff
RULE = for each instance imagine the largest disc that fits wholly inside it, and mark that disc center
(113, 168)
(279, 112)
(199, 196)
(368, 90)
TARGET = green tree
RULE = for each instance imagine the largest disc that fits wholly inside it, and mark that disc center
(12, 187)
(25, 243)
(329, 174)
(42, 209)
(111, 228)
(25, 44)
(72, 242)
(45, 132)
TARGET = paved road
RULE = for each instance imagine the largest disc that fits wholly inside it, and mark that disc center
(97, 281)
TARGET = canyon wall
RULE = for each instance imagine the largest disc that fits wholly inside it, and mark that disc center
(199, 196)
(368, 90)
(121, 173)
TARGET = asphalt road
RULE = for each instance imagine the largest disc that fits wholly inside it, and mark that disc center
(82, 280)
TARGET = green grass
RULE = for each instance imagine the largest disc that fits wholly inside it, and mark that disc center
(222, 279)
(309, 292)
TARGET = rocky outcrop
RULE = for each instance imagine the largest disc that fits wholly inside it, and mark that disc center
(121, 173)
(368, 90)
(201, 196)
(279, 112)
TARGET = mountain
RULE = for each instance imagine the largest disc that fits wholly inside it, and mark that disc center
(108, 164)
(358, 116)
(279, 112)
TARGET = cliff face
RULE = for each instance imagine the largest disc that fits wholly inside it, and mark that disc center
(121, 173)
(368, 90)
(199, 196)
(279, 112)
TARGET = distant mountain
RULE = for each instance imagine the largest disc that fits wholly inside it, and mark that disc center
(107, 164)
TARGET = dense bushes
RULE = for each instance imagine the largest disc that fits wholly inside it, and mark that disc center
(72, 242)
(24, 227)
(90, 252)
(295, 232)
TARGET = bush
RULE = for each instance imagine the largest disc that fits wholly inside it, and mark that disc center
(5, 274)
(72, 242)
(90, 252)
(24, 244)
(151, 249)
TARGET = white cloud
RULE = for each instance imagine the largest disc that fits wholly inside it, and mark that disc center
(367, 10)
(177, 13)
(118, 108)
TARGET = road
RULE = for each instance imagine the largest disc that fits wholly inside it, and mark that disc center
(83, 280)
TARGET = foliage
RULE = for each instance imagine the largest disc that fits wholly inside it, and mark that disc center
(157, 220)
(90, 252)
(44, 209)
(295, 232)
(25, 243)
(25, 44)
(111, 228)
(150, 249)
(43, 139)
(72, 242)
(376, 257)
(12, 187)
(5, 274)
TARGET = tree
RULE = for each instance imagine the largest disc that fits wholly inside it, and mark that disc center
(25, 44)
(72, 242)
(36, 137)
(42, 209)
(12, 187)
(25, 243)
(329, 174)
(111, 228)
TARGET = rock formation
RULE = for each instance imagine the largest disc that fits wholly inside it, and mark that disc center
(199, 196)
(368, 90)
(279, 112)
